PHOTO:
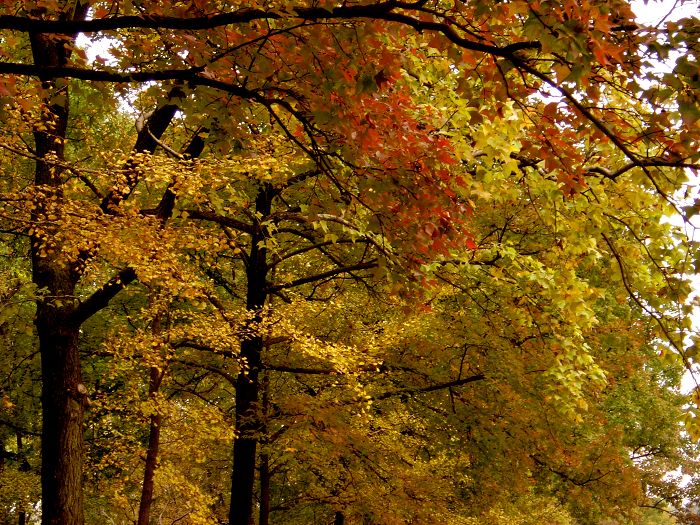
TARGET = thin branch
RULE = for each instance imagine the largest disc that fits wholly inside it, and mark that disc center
(322, 276)
(209, 368)
(638, 302)
(221, 220)
(430, 388)
(635, 160)
(300, 370)
(165, 147)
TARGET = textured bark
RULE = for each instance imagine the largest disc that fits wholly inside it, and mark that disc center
(24, 467)
(62, 407)
(248, 424)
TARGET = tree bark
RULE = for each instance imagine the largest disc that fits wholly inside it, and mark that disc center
(58, 316)
(247, 383)
(62, 407)
(149, 472)
(24, 467)
(63, 393)
(264, 513)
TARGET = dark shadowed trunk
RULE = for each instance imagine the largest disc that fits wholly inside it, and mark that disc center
(58, 315)
(264, 514)
(149, 472)
(247, 383)
(62, 405)
(63, 393)
(24, 467)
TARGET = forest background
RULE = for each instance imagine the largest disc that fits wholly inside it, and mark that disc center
(360, 262)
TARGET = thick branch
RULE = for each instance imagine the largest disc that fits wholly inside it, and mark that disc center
(164, 210)
(380, 11)
(191, 76)
(147, 141)
(100, 299)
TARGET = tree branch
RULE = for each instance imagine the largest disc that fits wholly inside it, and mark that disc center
(190, 76)
(380, 11)
(221, 220)
(100, 299)
(321, 276)
(429, 388)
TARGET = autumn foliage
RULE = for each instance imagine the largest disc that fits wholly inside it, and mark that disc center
(354, 262)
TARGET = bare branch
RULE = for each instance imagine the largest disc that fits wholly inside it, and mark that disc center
(322, 276)
(221, 220)
(100, 299)
(380, 11)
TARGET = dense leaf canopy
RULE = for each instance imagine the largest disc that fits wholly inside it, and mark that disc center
(413, 262)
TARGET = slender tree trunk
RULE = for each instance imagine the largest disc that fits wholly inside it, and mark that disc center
(247, 383)
(63, 393)
(22, 514)
(153, 449)
(264, 518)
(339, 518)
(163, 212)
(264, 514)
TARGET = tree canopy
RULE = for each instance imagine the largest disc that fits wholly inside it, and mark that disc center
(347, 262)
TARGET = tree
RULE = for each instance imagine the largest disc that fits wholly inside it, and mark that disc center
(386, 124)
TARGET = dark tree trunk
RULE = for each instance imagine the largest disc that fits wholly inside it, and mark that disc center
(248, 424)
(24, 467)
(339, 518)
(58, 318)
(264, 514)
(63, 393)
(62, 407)
(152, 453)
(264, 518)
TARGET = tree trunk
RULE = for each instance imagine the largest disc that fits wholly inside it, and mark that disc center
(62, 407)
(247, 383)
(264, 518)
(63, 393)
(264, 514)
(152, 453)
(24, 467)
(57, 322)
